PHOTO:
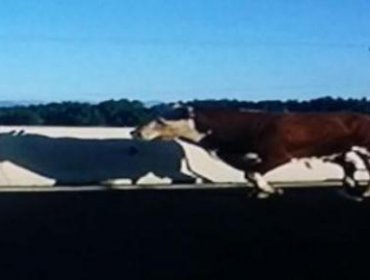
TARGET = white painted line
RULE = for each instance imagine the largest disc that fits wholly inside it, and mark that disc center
(303, 184)
(53, 189)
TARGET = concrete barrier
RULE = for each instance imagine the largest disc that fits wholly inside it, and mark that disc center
(49, 156)
(182, 234)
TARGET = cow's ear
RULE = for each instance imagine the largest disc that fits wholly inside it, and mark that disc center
(177, 105)
(161, 121)
(190, 111)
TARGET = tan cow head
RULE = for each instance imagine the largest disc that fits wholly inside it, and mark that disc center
(177, 123)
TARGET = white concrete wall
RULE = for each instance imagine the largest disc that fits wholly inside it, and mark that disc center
(45, 156)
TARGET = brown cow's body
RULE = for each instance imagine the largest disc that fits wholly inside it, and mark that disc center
(257, 142)
(279, 138)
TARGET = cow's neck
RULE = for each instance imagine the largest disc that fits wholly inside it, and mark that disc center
(201, 131)
(221, 129)
(193, 135)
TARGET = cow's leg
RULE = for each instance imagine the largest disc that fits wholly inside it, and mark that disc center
(265, 166)
(365, 157)
(262, 187)
(351, 186)
(348, 161)
(198, 177)
(254, 168)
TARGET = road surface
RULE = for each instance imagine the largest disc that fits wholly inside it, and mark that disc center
(308, 233)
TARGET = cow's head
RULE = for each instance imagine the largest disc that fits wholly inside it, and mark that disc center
(176, 122)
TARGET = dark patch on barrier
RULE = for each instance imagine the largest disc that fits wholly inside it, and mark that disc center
(132, 151)
(73, 161)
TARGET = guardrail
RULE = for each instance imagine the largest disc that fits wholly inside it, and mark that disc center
(68, 156)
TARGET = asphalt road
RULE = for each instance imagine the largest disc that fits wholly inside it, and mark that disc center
(183, 234)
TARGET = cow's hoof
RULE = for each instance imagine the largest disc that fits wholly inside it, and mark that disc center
(279, 191)
(350, 196)
(263, 195)
(366, 194)
(259, 194)
(357, 193)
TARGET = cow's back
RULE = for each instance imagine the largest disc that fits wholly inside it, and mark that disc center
(361, 127)
(235, 131)
(322, 133)
(299, 133)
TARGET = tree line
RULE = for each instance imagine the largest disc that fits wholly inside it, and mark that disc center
(126, 112)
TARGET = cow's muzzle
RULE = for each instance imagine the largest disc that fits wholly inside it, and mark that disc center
(135, 134)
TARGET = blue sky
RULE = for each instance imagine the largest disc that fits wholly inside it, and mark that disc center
(176, 49)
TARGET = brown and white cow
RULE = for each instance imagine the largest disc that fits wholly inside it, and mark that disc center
(257, 142)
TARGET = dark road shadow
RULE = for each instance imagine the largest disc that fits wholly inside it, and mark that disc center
(72, 161)
(182, 234)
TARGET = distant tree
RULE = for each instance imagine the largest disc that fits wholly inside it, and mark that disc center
(125, 112)
(19, 116)
(69, 113)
